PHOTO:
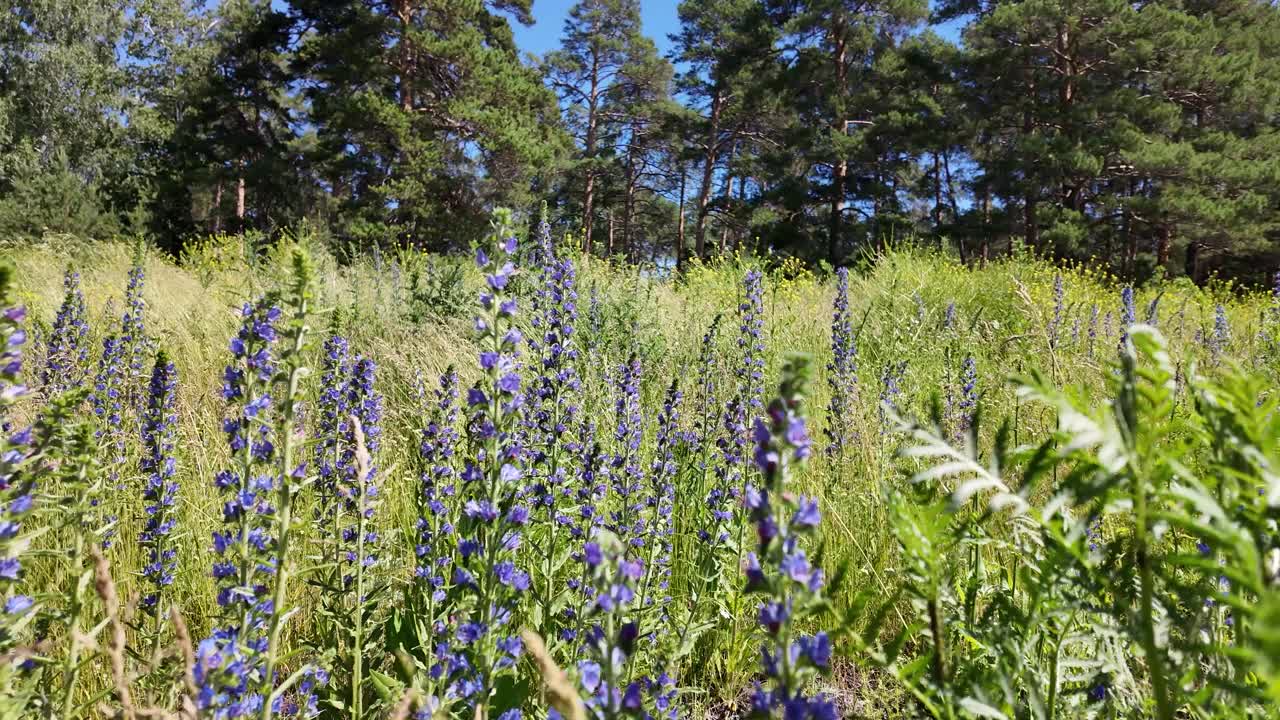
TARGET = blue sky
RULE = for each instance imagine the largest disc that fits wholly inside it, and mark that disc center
(657, 20)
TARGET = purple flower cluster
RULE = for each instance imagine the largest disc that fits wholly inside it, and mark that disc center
(583, 523)
(779, 568)
(160, 491)
(1221, 331)
(108, 404)
(436, 509)
(703, 433)
(236, 668)
(890, 389)
(229, 678)
(740, 408)
(967, 406)
(17, 488)
(610, 683)
(358, 492)
(67, 351)
(552, 405)
(842, 370)
(751, 343)
(660, 505)
(245, 548)
(626, 521)
(493, 516)
(1059, 300)
(136, 346)
(1093, 328)
(331, 418)
(1128, 312)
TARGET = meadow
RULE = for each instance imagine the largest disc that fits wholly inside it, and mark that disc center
(260, 480)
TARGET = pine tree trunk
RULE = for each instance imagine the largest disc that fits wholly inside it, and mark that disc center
(937, 197)
(840, 170)
(709, 157)
(404, 13)
(680, 222)
(629, 201)
(1163, 245)
(986, 225)
(217, 207)
(593, 122)
(240, 203)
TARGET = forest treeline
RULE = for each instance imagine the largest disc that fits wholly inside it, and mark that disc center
(1141, 135)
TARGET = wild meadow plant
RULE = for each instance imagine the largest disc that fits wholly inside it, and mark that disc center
(108, 399)
(626, 521)
(1221, 334)
(435, 524)
(1085, 559)
(489, 581)
(1093, 329)
(18, 455)
(779, 568)
(1059, 628)
(236, 667)
(67, 347)
(160, 493)
(842, 370)
(553, 411)
(742, 404)
(1059, 309)
(1128, 312)
(136, 346)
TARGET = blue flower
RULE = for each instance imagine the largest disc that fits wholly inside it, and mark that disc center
(67, 351)
(160, 491)
(842, 371)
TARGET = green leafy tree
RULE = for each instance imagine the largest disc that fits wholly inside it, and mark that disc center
(423, 114)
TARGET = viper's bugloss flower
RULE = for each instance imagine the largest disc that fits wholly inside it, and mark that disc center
(160, 489)
(780, 569)
(1128, 312)
(751, 342)
(702, 436)
(230, 682)
(1059, 301)
(245, 548)
(1221, 335)
(436, 506)
(660, 504)
(552, 408)
(583, 522)
(1093, 328)
(133, 337)
(107, 401)
(967, 405)
(1153, 311)
(842, 371)
(12, 337)
(357, 491)
(331, 416)
(490, 530)
(17, 484)
(890, 389)
(627, 520)
(611, 683)
(67, 351)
